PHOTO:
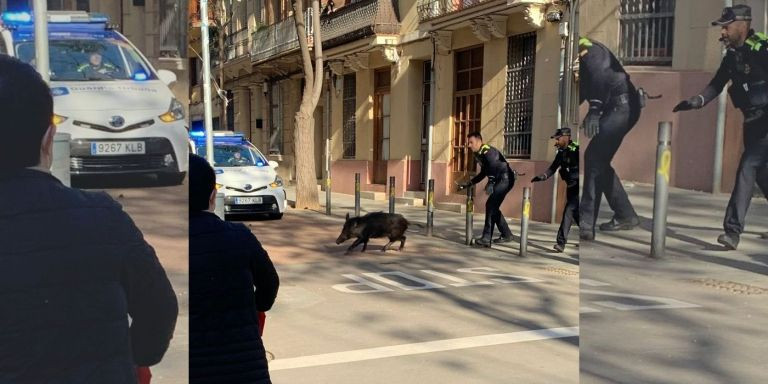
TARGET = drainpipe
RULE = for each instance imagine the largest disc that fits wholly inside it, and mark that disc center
(722, 102)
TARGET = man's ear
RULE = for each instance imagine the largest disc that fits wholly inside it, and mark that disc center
(47, 144)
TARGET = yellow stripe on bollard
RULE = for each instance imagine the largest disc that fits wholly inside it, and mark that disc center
(527, 209)
(666, 162)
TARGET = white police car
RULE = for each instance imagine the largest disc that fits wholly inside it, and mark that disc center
(120, 112)
(249, 182)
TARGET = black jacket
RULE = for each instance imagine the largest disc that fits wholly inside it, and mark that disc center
(492, 164)
(747, 68)
(73, 267)
(226, 264)
(567, 161)
(601, 76)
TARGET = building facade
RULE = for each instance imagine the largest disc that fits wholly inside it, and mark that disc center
(495, 65)
(669, 48)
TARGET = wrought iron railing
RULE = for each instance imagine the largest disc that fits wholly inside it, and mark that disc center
(432, 9)
(172, 30)
(237, 44)
(279, 38)
(518, 124)
(647, 32)
(357, 20)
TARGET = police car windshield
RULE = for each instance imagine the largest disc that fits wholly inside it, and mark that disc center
(231, 155)
(89, 59)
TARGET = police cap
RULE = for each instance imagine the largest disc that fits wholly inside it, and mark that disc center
(736, 13)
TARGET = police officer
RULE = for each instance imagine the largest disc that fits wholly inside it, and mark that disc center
(614, 108)
(745, 65)
(96, 67)
(238, 160)
(501, 179)
(567, 160)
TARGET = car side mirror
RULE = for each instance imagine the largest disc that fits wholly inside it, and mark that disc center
(273, 164)
(167, 76)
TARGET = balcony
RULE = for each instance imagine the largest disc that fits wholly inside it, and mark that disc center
(432, 9)
(359, 20)
(236, 44)
(279, 39)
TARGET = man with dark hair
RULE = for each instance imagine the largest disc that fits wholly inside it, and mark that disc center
(231, 280)
(73, 266)
(501, 179)
(746, 67)
(614, 109)
(567, 162)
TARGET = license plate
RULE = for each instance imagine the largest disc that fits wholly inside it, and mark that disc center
(118, 148)
(248, 200)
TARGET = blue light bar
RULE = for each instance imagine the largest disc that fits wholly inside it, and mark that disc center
(140, 76)
(17, 18)
(197, 133)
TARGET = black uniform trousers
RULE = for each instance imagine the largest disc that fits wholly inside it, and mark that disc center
(570, 214)
(493, 216)
(599, 176)
(753, 168)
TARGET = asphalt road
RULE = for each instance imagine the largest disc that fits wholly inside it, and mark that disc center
(438, 312)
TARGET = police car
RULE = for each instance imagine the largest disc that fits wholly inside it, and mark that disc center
(121, 115)
(249, 182)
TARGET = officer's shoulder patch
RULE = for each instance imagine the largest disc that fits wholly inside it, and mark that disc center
(585, 42)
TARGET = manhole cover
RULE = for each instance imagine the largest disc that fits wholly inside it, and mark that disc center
(730, 286)
(562, 271)
(270, 356)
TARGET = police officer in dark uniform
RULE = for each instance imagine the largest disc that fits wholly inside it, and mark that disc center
(614, 108)
(567, 160)
(501, 179)
(745, 65)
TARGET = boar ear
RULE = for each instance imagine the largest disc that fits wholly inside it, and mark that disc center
(347, 218)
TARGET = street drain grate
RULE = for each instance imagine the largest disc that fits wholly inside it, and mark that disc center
(562, 271)
(730, 286)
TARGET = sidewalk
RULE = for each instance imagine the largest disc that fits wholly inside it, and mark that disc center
(450, 226)
(693, 224)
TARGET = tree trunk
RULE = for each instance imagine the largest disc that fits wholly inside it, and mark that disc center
(304, 131)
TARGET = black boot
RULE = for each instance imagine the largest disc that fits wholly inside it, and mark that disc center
(483, 242)
(729, 240)
(764, 235)
(587, 235)
(504, 239)
(559, 248)
(619, 225)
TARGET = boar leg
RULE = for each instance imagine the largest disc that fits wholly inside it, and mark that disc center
(365, 245)
(355, 244)
(402, 243)
(387, 246)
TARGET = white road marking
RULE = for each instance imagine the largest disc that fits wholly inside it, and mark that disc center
(666, 303)
(419, 348)
(457, 282)
(588, 310)
(424, 284)
(593, 283)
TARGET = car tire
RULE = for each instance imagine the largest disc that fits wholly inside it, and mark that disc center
(275, 216)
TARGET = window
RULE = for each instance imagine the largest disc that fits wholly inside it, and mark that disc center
(349, 109)
(172, 29)
(518, 122)
(646, 30)
(275, 121)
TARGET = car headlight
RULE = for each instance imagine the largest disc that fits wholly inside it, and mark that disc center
(175, 112)
(58, 119)
(219, 186)
(277, 183)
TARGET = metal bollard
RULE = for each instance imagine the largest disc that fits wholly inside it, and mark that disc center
(391, 194)
(430, 206)
(61, 161)
(524, 221)
(470, 210)
(661, 190)
(357, 195)
(328, 196)
(219, 210)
